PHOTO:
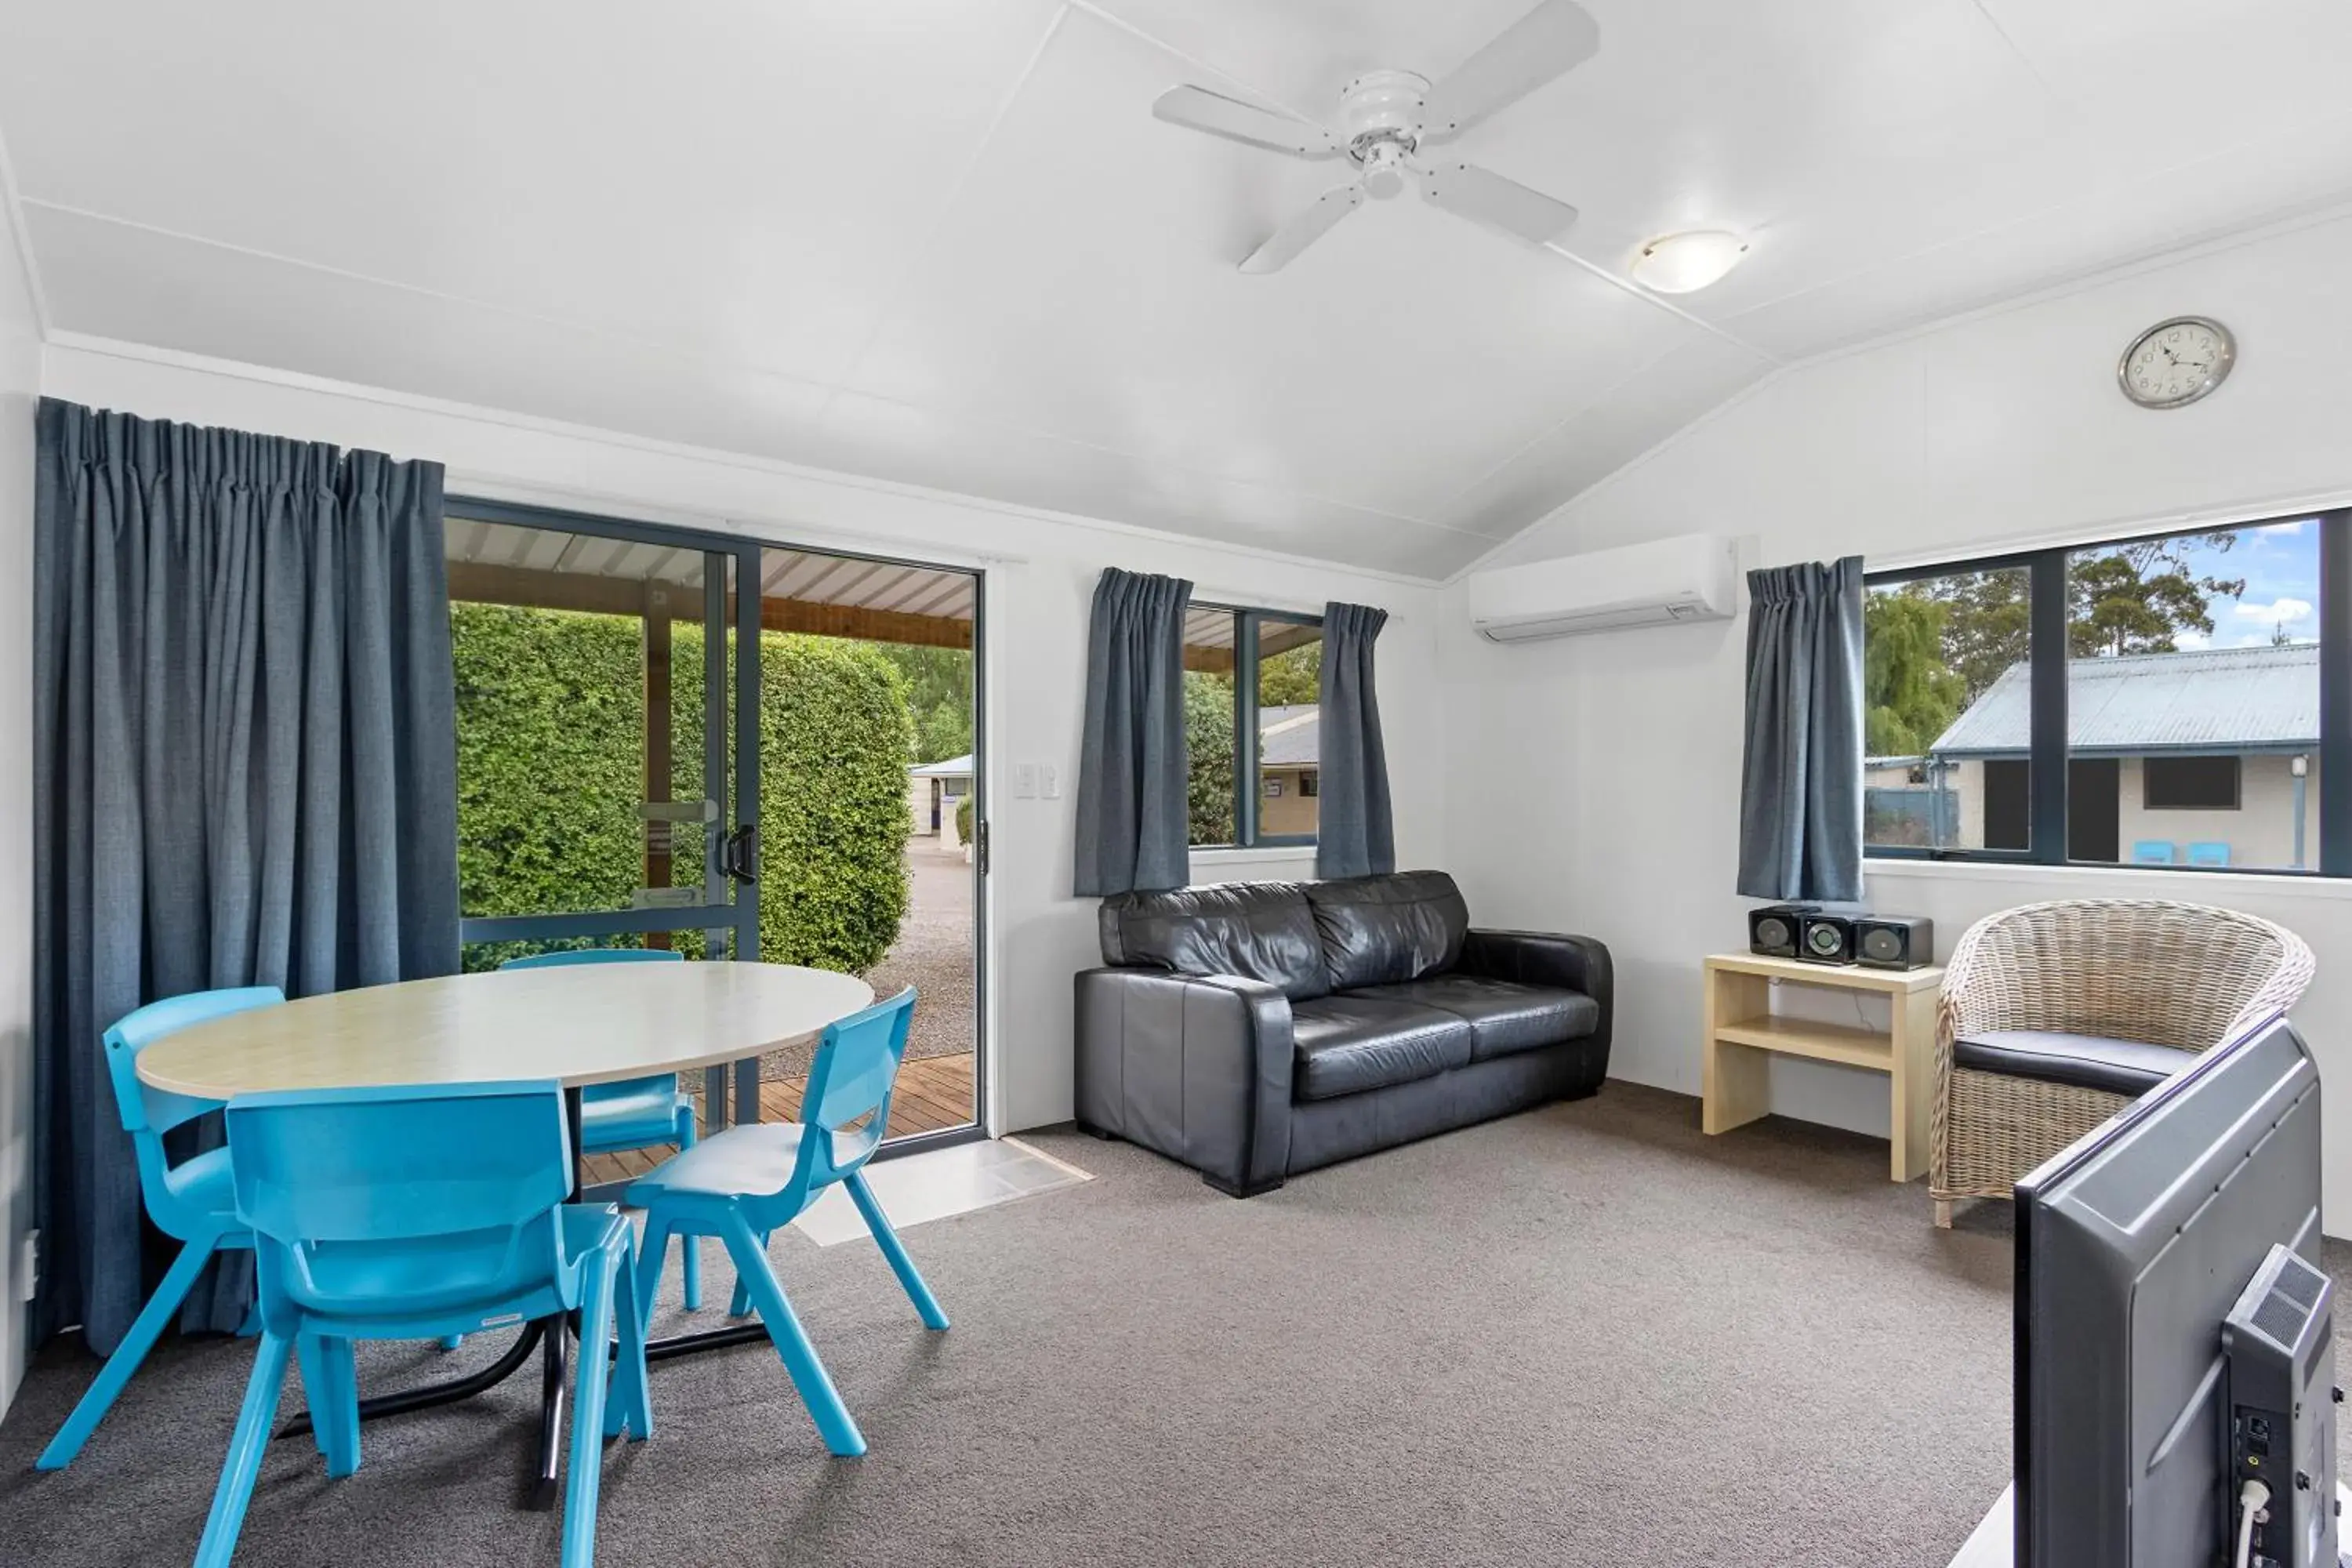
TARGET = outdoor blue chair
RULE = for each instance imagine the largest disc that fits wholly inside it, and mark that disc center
(741, 1184)
(400, 1212)
(190, 1201)
(637, 1112)
(2151, 852)
(2208, 854)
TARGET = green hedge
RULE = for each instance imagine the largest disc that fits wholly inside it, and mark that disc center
(550, 741)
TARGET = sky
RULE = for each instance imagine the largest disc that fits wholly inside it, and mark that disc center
(2281, 566)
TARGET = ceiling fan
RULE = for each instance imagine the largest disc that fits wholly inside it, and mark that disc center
(1387, 118)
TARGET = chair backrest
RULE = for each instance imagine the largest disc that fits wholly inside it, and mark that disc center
(854, 1069)
(2185, 975)
(2208, 854)
(356, 1194)
(2151, 851)
(148, 1113)
(595, 955)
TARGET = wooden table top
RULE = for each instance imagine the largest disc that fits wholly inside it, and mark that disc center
(578, 1024)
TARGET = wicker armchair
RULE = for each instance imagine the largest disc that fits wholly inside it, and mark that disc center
(2180, 975)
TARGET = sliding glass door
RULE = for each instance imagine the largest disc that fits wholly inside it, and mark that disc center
(682, 740)
(608, 785)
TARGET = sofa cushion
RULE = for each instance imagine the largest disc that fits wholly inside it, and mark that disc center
(1259, 930)
(2080, 1061)
(1504, 1015)
(1346, 1045)
(1383, 931)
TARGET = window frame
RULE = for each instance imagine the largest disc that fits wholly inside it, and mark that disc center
(2048, 752)
(1247, 799)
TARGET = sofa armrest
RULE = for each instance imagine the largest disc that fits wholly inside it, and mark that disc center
(1196, 1066)
(1539, 958)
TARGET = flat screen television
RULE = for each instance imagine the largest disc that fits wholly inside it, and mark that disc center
(2132, 1246)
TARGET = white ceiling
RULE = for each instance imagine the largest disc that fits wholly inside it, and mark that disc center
(944, 241)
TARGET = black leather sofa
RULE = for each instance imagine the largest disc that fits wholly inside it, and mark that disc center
(1254, 1030)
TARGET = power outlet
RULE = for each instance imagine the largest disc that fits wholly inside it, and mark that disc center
(1025, 781)
(1049, 781)
(28, 1265)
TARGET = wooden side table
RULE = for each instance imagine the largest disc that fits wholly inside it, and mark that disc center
(1743, 1033)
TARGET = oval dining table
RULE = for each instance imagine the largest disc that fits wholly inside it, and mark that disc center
(577, 1025)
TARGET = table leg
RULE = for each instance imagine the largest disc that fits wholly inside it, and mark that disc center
(541, 1496)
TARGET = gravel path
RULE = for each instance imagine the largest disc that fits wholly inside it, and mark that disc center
(934, 954)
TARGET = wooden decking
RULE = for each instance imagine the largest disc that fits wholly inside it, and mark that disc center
(934, 1093)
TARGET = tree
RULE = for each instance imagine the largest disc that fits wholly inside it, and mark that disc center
(939, 694)
(2136, 598)
(1910, 696)
(1209, 736)
(1292, 676)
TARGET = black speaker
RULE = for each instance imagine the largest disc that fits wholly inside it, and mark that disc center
(1772, 929)
(1825, 938)
(1895, 941)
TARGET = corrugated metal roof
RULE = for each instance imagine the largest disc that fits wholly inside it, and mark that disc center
(954, 768)
(807, 576)
(1290, 737)
(2206, 699)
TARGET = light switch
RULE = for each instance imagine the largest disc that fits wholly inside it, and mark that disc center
(1025, 781)
(1049, 780)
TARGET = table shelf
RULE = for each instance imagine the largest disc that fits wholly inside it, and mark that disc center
(1743, 1034)
(1845, 1043)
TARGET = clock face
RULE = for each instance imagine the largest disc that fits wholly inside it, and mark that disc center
(2176, 363)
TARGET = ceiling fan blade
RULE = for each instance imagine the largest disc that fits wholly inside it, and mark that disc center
(1283, 246)
(1200, 110)
(1506, 205)
(1546, 44)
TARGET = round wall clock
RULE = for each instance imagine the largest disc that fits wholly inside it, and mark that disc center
(2175, 363)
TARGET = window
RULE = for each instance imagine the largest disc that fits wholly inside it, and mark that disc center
(1945, 711)
(1252, 721)
(2190, 784)
(2168, 699)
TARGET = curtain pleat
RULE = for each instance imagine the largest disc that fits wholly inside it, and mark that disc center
(246, 773)
(1801, 772)
(1133, 817)
(1355, 834)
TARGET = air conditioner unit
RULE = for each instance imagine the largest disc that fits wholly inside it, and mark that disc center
(1692, 578)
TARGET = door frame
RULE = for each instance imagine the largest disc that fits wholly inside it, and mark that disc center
(742, 914)
(743, 926)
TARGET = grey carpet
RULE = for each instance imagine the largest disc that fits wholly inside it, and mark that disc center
(1585, 1335)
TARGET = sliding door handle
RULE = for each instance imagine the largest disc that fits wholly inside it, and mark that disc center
(740, 857)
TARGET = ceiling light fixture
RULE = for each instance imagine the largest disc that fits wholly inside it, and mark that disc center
(1682, 262)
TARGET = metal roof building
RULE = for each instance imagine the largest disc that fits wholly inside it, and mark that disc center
(1290, 737)
(2223, 700)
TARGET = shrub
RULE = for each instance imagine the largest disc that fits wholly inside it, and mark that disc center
(550, 745)
(964, 820)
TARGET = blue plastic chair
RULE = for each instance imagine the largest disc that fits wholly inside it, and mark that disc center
(399, 1213)
(742, 1183)
(2208, 854)
(637, 1112)
(2151, 852)
(190, 1201)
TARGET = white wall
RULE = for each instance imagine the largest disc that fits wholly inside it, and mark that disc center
(19, 375)
(1041, 575)
(2004, 427)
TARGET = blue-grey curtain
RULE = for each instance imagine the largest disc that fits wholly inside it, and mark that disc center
(1355, 835)
(1800, 777)
(1133, 824)
(244, 758)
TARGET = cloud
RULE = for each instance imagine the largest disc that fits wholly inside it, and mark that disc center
(2280, 612)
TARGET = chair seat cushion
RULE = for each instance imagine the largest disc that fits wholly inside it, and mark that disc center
(1505, 1015)
(1347, 1043)
(630, 1114)
(2079, 1061)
